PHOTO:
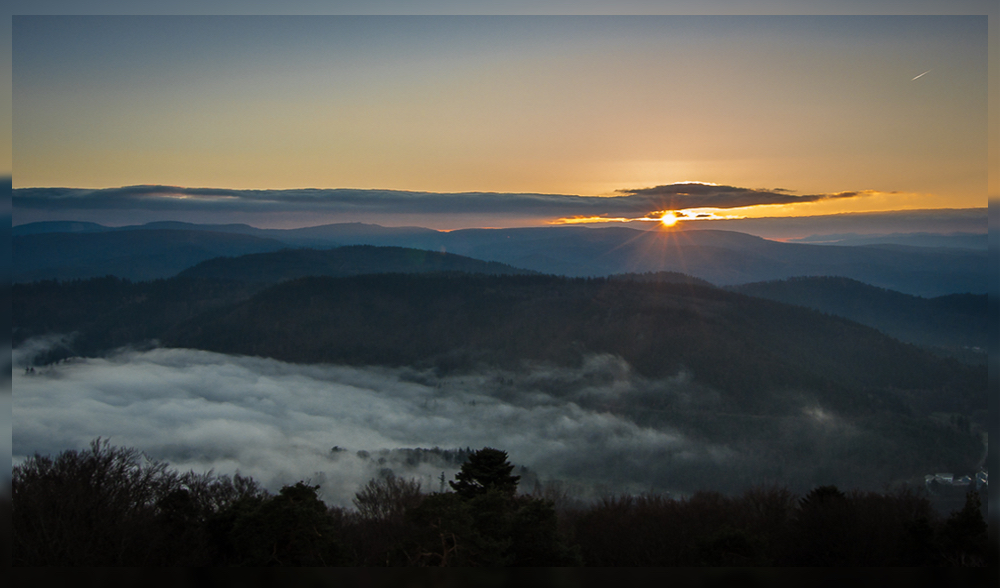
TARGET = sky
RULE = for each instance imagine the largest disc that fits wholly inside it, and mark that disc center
(833, 114)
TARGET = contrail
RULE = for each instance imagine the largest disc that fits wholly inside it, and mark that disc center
(921, 75)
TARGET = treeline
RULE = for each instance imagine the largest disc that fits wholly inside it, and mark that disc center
(112, 506)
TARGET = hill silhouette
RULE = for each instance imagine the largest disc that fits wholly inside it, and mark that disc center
(955, 320)
(720, 257)
(352, 260)
(135, 255)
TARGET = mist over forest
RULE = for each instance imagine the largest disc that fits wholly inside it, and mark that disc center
(638, 383)
(331, 370)
(280, 422)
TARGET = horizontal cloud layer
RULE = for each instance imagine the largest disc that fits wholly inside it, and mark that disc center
(596, 429)
(634, 203)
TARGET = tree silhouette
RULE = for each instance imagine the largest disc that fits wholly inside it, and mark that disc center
(483, 523)
(89, 507)
(964, 536)
(290, 529)
(387, 498)
(485, 470)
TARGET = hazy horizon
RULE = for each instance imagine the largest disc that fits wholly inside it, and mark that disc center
(720, 207)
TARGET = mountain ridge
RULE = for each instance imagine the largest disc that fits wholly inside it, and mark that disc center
(287, 264)
(720, 257)
(954, 320)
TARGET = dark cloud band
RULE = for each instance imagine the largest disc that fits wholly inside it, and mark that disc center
(629, 203)
(693, 195)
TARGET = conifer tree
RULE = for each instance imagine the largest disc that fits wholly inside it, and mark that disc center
(485, 470)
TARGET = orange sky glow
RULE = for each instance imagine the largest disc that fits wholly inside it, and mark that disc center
(893, 109)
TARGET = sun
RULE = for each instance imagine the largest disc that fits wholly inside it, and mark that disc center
(668, 219)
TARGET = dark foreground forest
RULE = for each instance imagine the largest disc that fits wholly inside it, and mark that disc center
(113, 506)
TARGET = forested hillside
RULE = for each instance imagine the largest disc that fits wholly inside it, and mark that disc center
(954, 321)
(765, 390)
(107, 312)
(136, 255)
(343, 261)
(100, 314)
(743, 345)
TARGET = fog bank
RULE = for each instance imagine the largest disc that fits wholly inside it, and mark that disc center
(278, 422)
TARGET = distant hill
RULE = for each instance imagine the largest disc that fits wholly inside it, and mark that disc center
(343, 261)
(136, 255)
(663, 278)
(330, 235)
(356, 234)
(956, 320)
(720, 257)
(952, 240)
(108, 312)
(59, 227)
(726, 258)
(5, 251)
